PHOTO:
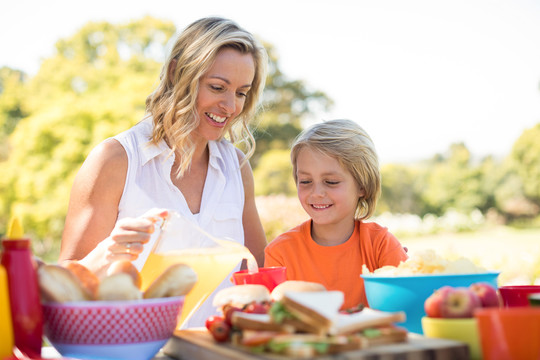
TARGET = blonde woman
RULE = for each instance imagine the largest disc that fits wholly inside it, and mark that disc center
(180, 156)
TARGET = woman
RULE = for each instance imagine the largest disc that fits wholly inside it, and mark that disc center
(177, 157)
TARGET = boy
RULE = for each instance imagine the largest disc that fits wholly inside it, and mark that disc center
(336, 171)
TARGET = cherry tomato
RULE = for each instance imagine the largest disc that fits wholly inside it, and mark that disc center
(256, 308)
(212, 319)
(228, 311)
(220, 330)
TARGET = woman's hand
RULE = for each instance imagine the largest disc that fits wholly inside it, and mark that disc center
(125, 242)
(127, 239)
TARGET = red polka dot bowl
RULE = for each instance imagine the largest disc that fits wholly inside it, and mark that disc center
(134, 330)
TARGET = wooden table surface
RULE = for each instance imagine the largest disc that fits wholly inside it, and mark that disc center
(197, 344)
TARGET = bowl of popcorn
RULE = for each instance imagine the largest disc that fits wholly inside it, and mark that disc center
(407, 286)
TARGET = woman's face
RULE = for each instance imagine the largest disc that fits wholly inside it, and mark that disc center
(223, 91)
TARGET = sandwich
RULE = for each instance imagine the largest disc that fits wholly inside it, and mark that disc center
(366, 319)
(247, 307)
(310, 345)
(296, 286)
(304, 323)
(248, 299)
(241, 296)
(321, 328)
(259, 322)
(251, 298)
(310, 312)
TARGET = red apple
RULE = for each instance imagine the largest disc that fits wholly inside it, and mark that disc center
(433, 303)
(489, 297)
(459, 302)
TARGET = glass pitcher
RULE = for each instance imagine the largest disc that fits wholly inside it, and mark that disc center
(212, 258)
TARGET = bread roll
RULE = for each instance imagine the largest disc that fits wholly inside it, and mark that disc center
(125, 266)
(295, 285)
(240, 295)
(118, 286)
(87, 278)
(58, 284)
(176, 280)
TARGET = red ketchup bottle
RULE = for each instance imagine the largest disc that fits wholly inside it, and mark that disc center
(26, 312)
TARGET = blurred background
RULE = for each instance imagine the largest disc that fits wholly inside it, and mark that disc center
(448, 90)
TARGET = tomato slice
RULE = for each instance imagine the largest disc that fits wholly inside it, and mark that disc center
(255, 338)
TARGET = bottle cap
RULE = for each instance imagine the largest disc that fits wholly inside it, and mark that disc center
(15, 230)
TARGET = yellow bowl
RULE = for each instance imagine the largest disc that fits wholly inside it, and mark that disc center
(464, 330)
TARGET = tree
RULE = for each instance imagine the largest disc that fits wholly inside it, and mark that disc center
(273, 176)
(453, 183)
(401, 189)
(525, 156)
(92, 88)
(286, 104)
(12, 108)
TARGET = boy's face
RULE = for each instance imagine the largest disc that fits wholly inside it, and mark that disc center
(327, 191)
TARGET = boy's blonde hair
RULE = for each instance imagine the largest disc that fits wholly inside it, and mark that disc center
(351, 146)
(173, 103)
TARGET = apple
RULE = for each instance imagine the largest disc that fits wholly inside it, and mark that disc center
(459, 302)
(433, 303)
(489, 297)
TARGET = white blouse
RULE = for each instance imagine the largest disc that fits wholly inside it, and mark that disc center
(148, 185)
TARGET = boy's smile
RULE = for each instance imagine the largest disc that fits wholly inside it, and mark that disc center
(327, 192)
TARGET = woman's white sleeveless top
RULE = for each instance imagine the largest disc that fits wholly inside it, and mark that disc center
(148, 185)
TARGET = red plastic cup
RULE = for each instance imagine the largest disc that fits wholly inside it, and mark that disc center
(517, 295)
(267, 276)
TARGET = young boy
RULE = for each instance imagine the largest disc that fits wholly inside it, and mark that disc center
(336, 171)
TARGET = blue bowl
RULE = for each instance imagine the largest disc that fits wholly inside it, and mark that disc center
(408, 293)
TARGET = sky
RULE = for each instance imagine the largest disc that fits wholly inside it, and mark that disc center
(417, 75)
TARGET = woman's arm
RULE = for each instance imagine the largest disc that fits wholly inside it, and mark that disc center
(90, 235)
(254, 236)
(94, 198)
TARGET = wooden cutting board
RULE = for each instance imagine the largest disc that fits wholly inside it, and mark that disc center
(197, 344)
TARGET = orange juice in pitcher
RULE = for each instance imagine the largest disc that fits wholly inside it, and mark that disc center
(211, 258)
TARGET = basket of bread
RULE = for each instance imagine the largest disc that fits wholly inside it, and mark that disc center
(112, 317)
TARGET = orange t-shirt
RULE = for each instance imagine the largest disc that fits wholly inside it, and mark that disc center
(336, 267)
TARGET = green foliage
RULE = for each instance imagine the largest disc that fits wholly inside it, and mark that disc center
(12, 105)
(286, 104)
(453, 182)
(94, 87)
(526, 160)
(401, 189)
(273, 176)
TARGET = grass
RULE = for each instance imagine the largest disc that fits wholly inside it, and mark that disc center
(513, 252)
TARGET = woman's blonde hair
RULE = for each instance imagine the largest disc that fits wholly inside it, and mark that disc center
(173, 103)
(351, 146)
